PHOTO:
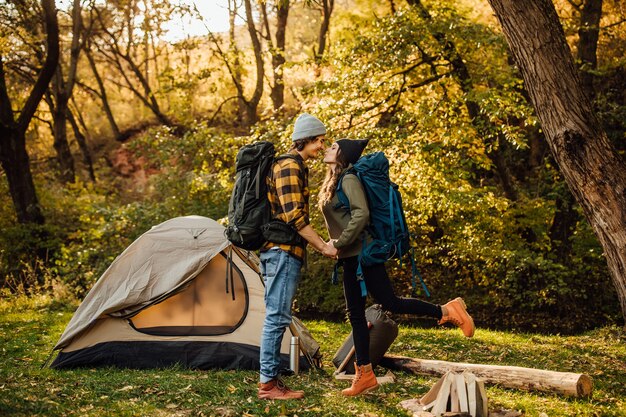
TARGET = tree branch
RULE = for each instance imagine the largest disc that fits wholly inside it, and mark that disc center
(47, 72)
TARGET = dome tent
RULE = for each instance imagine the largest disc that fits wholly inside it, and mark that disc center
(179, 294)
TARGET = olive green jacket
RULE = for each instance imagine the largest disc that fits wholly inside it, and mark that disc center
(348, 226)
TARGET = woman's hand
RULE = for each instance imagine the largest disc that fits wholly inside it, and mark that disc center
(330, 250)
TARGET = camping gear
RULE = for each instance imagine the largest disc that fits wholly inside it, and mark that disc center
(249, 208)
(294, 355)
(383, 331)
(167, 300)
(387, 226)
(457, 392)
(250, 222)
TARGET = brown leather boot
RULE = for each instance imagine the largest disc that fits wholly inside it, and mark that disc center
(277, 390)
(455, 312)
(364, 381)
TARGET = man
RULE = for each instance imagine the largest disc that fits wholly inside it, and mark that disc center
(288, 192)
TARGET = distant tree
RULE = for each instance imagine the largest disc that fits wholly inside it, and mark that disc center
(479, 117)
(277, 49)
(233, 60)
(61, 89)
(101, 92)
(117, 42)
(588, 34)
(253, 103)
(13, 124)
(593, 170)
(326, 9)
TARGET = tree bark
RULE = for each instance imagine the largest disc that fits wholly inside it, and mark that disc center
(103, 95)
(588, 35)
(278, 54)
(563, 226)
(82, 144)
(235, 68)
(327, 11)
(253, 103)
(593, 170)
(566, 383)
(13, 156)
(59, 107)
(62, 91)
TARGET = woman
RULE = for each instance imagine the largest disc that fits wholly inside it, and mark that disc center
(347, 230)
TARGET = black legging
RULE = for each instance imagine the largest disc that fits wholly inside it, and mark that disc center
(379, 287)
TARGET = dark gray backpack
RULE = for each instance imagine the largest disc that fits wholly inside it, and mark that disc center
(383, 331)
(250, 222)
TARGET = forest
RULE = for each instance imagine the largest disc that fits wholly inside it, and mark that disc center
(507, 141)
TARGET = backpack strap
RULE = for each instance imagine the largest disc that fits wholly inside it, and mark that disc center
(415, 272)
(359, 272)
(343, 198)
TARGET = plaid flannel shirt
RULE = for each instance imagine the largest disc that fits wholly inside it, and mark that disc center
(288, 193)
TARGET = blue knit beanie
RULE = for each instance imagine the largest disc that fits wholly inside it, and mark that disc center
(307, 126)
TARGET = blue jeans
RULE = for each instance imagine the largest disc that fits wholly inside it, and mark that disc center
(281, 273)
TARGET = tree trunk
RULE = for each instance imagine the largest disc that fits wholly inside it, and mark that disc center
(327, 10)
(563, 226)
(478, 118)
(82, 144)
(67, 172)
(593, 170)
(16, 165)
(278, 55)
(588, 34)
(566, 383)
(13, 156)
(253, 103)
(103, 95)
(62, 91)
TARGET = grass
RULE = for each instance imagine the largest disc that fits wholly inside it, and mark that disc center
(29, 327)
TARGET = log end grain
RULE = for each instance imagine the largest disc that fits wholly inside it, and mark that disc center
(584, 386)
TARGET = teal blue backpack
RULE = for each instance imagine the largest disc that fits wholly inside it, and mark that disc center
(388, 228)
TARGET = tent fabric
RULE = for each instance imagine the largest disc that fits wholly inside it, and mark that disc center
(163, 258)
(167, 299)
(151, 354)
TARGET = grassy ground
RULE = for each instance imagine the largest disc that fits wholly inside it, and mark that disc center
(30, 327)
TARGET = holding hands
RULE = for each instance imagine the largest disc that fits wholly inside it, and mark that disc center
(330, 250)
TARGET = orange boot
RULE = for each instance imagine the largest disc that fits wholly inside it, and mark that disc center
(364, 381)
(455, 312)
(277, 390)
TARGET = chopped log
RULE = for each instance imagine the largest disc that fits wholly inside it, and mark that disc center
(565, 383)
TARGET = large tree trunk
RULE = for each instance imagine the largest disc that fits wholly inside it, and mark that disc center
(593, 170)
(16, 165)
(13, 156)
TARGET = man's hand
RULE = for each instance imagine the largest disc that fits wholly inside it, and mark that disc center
(330, 250)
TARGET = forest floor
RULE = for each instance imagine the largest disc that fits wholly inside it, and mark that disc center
(29, 328)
